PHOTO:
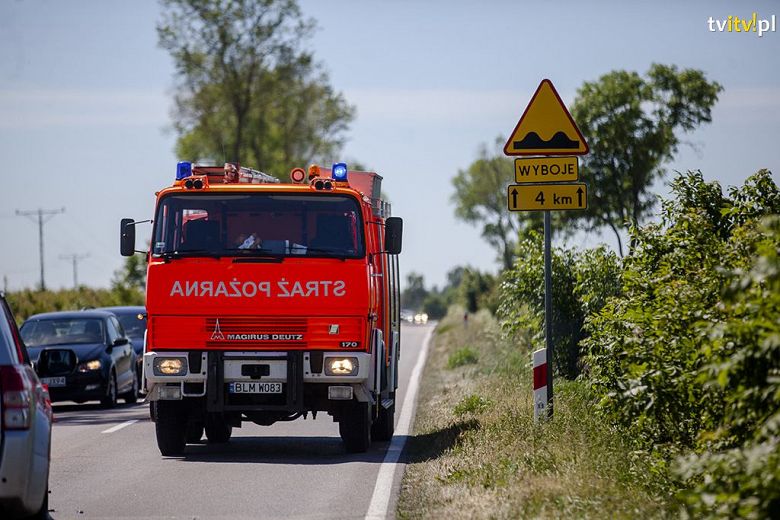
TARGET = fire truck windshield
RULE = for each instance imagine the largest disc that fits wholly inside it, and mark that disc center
(258, 224)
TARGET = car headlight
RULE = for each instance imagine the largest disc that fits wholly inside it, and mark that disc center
(170, 366)
(341, 366)
(89, 366)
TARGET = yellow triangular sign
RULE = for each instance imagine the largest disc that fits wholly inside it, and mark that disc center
(546, 127)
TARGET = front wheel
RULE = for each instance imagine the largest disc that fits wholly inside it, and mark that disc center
(217, 430)
(132, 396)
(355, 427)
(109, 400)
(384, 426)
(194, 432)
(171, 427)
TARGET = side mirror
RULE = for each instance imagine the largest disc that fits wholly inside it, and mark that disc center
(118, 342)
(394, 227)
(127, 237)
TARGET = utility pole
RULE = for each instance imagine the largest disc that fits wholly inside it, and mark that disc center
(42, 216)
(75, 259)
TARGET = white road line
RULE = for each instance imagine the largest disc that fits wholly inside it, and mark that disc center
(380, 500)
(120, 426)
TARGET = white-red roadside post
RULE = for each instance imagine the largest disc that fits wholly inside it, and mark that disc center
(540, 384)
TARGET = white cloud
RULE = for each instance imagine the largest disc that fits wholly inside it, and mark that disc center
(758, 97)
(450, 105)
(436, 105)
(42, 108)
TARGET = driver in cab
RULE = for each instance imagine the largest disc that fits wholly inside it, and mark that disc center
(249, 241)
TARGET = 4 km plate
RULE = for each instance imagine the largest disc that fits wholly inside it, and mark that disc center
(240, 387)
(53, 381)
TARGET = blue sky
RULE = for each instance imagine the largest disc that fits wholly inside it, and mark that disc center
(85, 96)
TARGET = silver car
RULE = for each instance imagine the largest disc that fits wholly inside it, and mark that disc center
(25, 428)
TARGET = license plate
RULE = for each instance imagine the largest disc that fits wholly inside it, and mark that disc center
(240, 387)
(53, 381)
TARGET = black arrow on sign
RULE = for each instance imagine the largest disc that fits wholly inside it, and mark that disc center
(514, 198)
(579, 196)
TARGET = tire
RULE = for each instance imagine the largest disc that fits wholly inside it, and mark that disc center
(132, 396)
(153, 411)
(384, 427)
(171, 427)
(194, 432)
(109, 400)
(217, 430)
(355, 428)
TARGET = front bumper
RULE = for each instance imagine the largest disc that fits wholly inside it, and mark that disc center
(79, 386)
(208, 374)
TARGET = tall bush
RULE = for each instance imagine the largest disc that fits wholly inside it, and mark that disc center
(27, 302)
(735, 470)
(582, 282)
(687, 360)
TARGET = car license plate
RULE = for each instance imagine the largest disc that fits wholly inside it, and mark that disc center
(53, 381)
(255, 387)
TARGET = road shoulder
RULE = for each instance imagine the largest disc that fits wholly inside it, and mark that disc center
(476, 452)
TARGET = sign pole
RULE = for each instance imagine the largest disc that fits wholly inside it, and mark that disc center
(548, 310)
(548, 136)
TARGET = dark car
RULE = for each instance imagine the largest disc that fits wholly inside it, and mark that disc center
(133, 320)
(25, 428)
(82, 356)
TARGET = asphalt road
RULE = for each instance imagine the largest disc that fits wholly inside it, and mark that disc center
(105, 464)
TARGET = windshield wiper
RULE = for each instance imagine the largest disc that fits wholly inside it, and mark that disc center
(255, 252)
(334, 253)
(247, 255)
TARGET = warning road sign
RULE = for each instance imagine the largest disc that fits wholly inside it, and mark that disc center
(546, 169)
(537, 197)
(546, 127)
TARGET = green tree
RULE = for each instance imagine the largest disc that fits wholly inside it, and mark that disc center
(481, 198)
(414, 293)
(477, 291)
(435, 305)
(130, 278)
(247, 91)
(632, 124)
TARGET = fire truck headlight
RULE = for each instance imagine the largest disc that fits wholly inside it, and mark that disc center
(170, 366)
(339, 172)
(341, 366)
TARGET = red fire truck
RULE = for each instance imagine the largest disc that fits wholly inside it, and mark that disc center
(268, 301)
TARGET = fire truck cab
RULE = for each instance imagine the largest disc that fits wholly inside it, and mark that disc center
(268, 301)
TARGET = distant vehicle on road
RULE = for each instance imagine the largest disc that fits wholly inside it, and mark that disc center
(421, 318)
(82, 356)
(133, 320)
(25, 428)
(407, 315)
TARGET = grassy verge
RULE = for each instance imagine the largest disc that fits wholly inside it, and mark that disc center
(476, 452)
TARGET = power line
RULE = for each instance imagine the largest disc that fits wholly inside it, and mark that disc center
(75, 259)
(43, 216)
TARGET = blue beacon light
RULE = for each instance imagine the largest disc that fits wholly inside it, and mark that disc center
(339, 172)
(183, 170)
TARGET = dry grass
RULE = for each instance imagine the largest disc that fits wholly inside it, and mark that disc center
(476, 452)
